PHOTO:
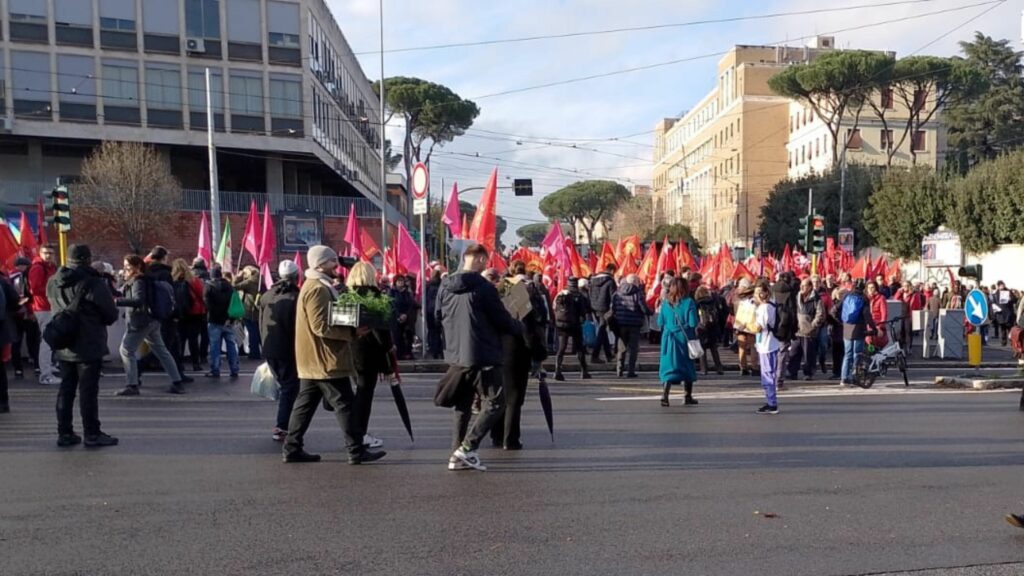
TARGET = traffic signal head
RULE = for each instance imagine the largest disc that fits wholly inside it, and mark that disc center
(970, 271)
(804, 233)
(818, 234)
(60, 205)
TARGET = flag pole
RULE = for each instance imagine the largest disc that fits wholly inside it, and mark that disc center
(383, 161)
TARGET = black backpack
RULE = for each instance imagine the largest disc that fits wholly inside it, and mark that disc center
(182, 298)
(61, 331)
(708, 314)
(786, 321)
(567, 311)
(160, 300)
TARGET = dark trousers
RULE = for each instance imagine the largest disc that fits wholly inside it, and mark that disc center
(287, 376)
(190, 329)
(82, 378)
(602, 340)
(204, 339)
(169, 332)
(435, 339)
(366, 386)
(803, 351)
(488, 384)
(253, 328)
(576, 335)
(4, 399)
(628, 345)
(837, 357)
(515, 375)
(712, 349)
(27, 331)
(338, 393)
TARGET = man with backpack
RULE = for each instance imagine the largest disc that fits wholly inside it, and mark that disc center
(83, 308)
(159, 271)
(784, 295)
(571, 309)
(630, 312)
(602, 289)
(855, 314)
(217, 296)
(150, 303)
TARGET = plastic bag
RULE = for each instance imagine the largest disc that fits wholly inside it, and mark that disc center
(264, 384)
(589, 334)
(236, 309)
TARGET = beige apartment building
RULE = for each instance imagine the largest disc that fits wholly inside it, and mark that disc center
(716, 163)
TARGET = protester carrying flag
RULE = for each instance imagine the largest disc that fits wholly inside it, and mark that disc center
(484, 227)
(452, 217)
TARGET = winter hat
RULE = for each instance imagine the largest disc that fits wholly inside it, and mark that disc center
(79, 254)
(199, 263)
(319, 255)
(287, 269)
(22, 261)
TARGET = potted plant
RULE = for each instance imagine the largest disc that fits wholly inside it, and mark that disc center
(357, 310)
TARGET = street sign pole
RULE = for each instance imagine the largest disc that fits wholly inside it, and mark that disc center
(976, 310)
(420, 201)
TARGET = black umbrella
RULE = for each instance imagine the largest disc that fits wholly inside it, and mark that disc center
(399, 396)
(545, 403)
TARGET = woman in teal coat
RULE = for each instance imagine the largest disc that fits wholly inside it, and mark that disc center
(678, 321)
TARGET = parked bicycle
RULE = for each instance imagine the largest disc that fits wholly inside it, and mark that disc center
(874, 363)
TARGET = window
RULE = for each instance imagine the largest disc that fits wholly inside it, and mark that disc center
(886, 100)
(163, 88)
(853, 141)
(160, 17)
(30, 84)
(285, 97)
(817, 147)
(197, 99)
(77, 88)
(117, 24)
(72, 12)
(120, 84)
(919, 142)
(885, 139)
(28, 21)
(920, 97)
(243, 21)
(202, 19)
(246, 95)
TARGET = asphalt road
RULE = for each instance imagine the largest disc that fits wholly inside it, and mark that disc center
(841, 483)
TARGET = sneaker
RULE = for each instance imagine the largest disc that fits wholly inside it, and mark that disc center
(455, 464)
(49, 381)
(371, 441)
(585, 376)
(1015, 520)
(469, 458)
(632, 375)
(212, 375)
(175, 388)
(187, 379)
(301, 457)
(279, 435)
(67, 440)
(767, 409)
(100, 440)
(365, 457)
(128, 391)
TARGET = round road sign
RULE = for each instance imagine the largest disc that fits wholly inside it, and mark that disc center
(420, 181)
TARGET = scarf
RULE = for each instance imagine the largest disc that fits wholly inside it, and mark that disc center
(323, 279)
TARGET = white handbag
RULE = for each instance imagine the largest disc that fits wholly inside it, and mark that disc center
(696, 350)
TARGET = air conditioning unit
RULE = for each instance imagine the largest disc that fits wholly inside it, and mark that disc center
(355, 175)
(195, 45)
(338, 166)
(6, 124)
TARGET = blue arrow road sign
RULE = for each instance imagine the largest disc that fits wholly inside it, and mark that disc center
(976, 307)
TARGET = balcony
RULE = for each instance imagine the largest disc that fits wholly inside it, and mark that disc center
(239, 202)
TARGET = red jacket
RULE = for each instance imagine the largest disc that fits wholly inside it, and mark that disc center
(196, 290)
(39, 274)
(879, 313)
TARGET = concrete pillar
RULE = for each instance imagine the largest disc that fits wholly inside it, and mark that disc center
(275, 183)
(35, 159)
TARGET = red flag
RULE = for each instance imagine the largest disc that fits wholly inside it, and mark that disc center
(684, 257)
(268, 243)
(251, 239)
(370, 248)
(28, 239)
(629, 255)
(352, 236)
(592, 262)
(497, 262)
(726, 266)
(532, 260)
(786, 264)
(452, 217)
(465, 227)
(8, 246)
(298, 264)
(607, 257)
(894, 273)
(484, 227)
(742, 272)
(618, 249)
(860, 269)
(575, 262)
(407, 253)
(666, 260)
(390, 266)
(880, 268)
(205, 249)
(648, 272)
(41, 223)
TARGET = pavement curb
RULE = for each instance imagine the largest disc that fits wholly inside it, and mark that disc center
(979, 383)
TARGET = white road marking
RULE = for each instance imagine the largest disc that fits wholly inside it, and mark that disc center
(814, 393)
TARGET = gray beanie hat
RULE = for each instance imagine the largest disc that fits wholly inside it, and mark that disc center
(319, 255)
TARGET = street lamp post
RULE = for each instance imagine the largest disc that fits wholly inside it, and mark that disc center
(383, 161)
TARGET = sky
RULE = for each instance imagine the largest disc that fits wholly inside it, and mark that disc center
(602, 128)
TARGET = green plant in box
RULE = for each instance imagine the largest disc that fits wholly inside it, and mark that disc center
(374, 309)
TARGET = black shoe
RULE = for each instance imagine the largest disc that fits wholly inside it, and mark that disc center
(366, 457)
(128, 391)
(808, 378)
(745, 373)
(212, 374)
(301, 457)
(100, 440)
(721, 372)
(234, 376)
(176, 388)
(68, 440)
(197, 368)
(559, 377)
(690, 401)
(768, 409)
(1015, 520)
(187, 379)
(632, 375)
(514, 446)
(595, 360)
(18, 374)
(664, 401)
(586, 376)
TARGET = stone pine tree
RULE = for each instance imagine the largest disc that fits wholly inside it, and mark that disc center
(532, 235)
(130, 185)
(584, 204)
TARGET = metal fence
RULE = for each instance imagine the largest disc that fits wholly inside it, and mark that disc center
(239, 202)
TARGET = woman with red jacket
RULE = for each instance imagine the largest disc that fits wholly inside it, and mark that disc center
(188, 292)
(879, 313)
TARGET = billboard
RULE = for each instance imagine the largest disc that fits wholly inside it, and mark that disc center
(942, 249)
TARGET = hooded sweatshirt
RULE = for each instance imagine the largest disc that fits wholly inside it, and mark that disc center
(474, 320)
(96, 311)
(602, 288)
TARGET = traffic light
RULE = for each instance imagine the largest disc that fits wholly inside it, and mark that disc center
(818, 234)
(804, 233)
(60, 205)
(970, 271)
(523, 186)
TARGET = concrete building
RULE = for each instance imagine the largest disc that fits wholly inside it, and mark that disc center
(716, 163)
(295, 116)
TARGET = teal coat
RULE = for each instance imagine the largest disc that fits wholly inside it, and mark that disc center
(678, 324)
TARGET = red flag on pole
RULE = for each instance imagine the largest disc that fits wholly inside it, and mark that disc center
(205, 250)
(352, 236)
(648, 271)
(497, 262)
(685, 257)
(452, 216)
(298, 264)
(28, 239)
(370, 248)
(407, 252)
(484, 227)
(786, 264)
(607, 257)
(8, 246)
(268, 243)
(251, 239)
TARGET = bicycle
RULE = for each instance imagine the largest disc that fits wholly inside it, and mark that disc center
(872, 364)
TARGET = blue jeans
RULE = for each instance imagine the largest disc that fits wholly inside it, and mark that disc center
(253, 328)
(851, 349)
(219, 333)
(769, 370)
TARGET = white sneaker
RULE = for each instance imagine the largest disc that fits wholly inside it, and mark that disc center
(49, 381)
(371, 441)
(456, 464)
(470, 459)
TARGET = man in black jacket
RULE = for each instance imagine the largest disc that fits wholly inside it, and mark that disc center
(277, 330)
(630, 312)
(26, 328)
(159, 271)
(217, 297)
(80, 364)
(571, 309)
(602, 289)
(474, 321)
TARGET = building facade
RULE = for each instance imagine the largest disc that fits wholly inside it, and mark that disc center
(295, 116)
(716, 163)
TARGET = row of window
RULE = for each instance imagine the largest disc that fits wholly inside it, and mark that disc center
(806, 116)
(855, 141)
(334, 77)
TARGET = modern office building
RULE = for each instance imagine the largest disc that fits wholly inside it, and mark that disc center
(296, 118)
(716, 163)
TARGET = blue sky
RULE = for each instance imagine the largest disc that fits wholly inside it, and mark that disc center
(619, 105)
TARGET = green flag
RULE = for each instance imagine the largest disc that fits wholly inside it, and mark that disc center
(224, 249)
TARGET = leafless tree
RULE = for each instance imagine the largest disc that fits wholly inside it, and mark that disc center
(131, 185)
(635, 216)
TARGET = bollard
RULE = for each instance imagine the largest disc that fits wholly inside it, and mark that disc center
(974, 349)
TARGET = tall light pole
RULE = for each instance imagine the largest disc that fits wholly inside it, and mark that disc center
(212, 153)
(383, 161)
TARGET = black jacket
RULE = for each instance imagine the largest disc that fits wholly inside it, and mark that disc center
(602, 289)
(372, 353)
(628, 306)
(474, 320)
(160, 272)
(96, 311)
(217, 297)
(8, 308)
(432, 290)
(136, 299)
(277, 308)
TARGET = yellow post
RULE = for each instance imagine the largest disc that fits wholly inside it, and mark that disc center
(63, 238)
(974, 349)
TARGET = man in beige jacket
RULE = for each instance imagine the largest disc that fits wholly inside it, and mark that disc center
(323, 357)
